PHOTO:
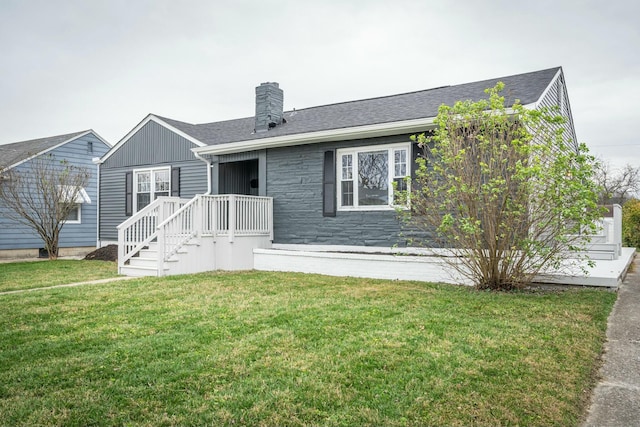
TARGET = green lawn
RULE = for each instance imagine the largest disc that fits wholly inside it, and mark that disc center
(259, 348)
(39, 274)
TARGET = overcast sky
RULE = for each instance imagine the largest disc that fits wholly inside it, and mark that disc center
(67, 66)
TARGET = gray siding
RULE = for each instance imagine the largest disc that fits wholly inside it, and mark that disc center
(193, 180)
(78, 152)
(557, 97)
(151, 145)
(294, 180)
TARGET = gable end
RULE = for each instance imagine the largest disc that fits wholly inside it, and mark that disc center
(150, 143)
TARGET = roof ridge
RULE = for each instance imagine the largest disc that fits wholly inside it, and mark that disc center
(364, 99)
(421, 90)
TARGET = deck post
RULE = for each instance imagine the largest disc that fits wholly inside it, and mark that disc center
(160, 255)
(198, 216)
(121, 248)
(232, 217)
(270, 218)
(617, 227)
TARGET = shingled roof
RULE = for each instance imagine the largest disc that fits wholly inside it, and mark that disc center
(16, 152)
(528, 88)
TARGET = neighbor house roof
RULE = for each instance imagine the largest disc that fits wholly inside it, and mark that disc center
(528, 88)
(17, 152)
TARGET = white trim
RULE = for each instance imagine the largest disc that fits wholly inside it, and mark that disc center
(343, 134)
(157, 120)
(152, 182)
(54, 147)
(353, 151)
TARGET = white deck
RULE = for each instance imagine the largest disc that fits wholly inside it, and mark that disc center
(415, 264)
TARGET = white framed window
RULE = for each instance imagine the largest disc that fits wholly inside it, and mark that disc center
(366, 175)
(75, 215)
(149, 184)
(80, 196)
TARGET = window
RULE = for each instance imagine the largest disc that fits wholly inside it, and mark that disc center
(366, 175)
(79, 196)
(151, 184)
(74, 215)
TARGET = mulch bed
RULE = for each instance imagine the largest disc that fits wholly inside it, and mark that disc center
(106, 253)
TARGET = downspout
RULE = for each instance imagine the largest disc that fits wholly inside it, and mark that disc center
(208, 162)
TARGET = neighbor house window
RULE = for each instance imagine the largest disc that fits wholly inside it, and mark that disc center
(74, 216)
(150, 184)
(366, 175)
(77, 195)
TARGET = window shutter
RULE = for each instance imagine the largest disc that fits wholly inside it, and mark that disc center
(329, 184)
(128, 201)
(175, 182)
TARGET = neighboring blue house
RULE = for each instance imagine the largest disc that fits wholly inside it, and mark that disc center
(326, 173)
(78, 235)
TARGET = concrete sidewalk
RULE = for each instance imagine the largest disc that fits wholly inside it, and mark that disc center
(71, 285)
(616, 399)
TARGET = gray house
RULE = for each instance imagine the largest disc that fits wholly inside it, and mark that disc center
(78, 234)
(324, 173)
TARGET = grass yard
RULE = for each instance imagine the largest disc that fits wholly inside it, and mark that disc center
(39, 274)
(258, 348)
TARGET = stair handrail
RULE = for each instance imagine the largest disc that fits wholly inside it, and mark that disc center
(165, 251)
(146, 234)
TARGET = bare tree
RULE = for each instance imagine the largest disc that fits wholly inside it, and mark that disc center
(617, 185)
(41, 195)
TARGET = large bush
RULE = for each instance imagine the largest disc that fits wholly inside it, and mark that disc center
(631, 223)
(504, 190)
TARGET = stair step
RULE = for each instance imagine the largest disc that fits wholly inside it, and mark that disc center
(138, 271)
(144, 262)
(602, 247)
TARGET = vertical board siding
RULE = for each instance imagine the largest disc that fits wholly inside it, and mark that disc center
(78, 152)
(557, 97)
(295, 181)
(152, 144)
(193, 180)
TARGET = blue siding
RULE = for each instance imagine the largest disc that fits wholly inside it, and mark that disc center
(294, 180)
(78, 152)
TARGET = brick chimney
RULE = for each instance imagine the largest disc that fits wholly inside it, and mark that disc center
(269, 106)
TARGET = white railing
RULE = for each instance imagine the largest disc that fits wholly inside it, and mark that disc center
(224, 215)
(141, 229)
(175, 231)
(234, 215)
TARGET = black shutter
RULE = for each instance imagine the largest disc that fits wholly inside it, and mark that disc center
(128, 201)
(175, 182)
(329, 184)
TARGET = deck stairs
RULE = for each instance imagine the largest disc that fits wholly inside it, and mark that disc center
(606, 244)
(179, 236)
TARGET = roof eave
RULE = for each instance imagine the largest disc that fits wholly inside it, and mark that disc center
(342, 134)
